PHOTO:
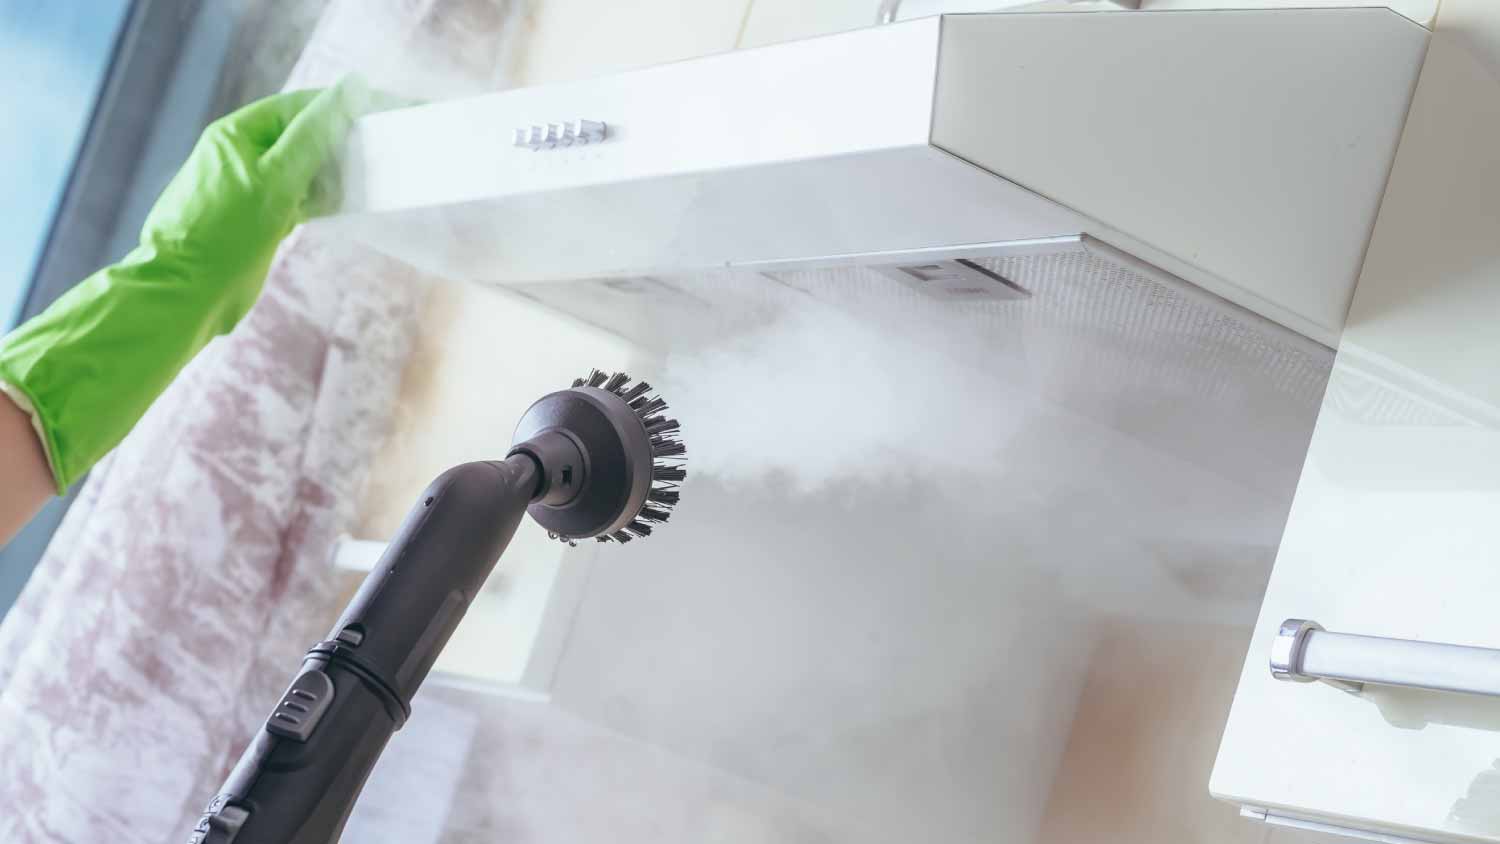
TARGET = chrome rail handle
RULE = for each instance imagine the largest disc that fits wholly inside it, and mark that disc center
(1303, 652)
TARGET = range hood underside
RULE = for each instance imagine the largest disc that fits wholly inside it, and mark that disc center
(1093, 330)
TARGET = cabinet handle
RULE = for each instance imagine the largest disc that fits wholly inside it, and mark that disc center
(1303, 652)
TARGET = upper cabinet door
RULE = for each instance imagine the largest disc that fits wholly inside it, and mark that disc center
(1395, 529)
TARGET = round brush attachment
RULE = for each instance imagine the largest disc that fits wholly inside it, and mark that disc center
(630, 455)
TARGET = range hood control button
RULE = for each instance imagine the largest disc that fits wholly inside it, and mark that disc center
(592, 131)
(555, 135)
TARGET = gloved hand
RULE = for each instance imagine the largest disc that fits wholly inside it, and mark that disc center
(88, 367)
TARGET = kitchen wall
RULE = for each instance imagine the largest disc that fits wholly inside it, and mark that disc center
(576, 39)
(482, 769)
(935, 651)
(831, 650)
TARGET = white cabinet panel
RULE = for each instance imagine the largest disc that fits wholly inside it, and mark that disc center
(1393, 531)
(1421, 11)
(578, 39)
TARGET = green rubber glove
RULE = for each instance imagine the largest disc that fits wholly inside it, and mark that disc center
(88, 367)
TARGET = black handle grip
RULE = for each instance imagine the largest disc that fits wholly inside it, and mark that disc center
(298, 780)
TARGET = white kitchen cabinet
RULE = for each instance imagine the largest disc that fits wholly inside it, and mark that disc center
(1420, 11)
(1393, 532)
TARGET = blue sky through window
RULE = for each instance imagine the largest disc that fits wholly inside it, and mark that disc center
(54, 57)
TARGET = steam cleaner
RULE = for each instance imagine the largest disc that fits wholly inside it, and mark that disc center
(599, 460)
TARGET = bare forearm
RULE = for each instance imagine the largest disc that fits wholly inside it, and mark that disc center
(25, 479)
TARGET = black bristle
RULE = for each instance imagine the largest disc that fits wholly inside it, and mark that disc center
(668, 473)
(654, 514)
(667, 450)
(662, 425)
(650, 407)
(666, 497)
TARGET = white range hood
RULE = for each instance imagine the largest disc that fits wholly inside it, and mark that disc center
(1243, 151)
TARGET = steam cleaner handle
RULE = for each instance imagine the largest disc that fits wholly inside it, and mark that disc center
(302, 772)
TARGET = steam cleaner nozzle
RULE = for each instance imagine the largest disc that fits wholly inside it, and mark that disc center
(609, 458)
(598, 460)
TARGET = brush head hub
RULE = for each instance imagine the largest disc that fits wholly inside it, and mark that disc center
(611, 463)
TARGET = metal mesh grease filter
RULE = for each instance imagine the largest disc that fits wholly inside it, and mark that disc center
(1117, 342)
